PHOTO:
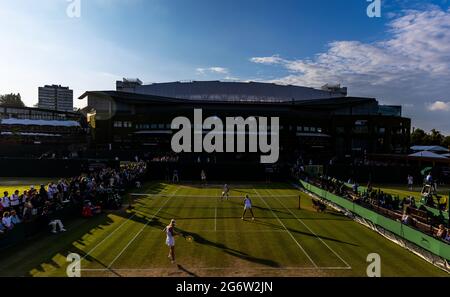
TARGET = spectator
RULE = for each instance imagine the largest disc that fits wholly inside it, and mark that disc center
(27, 210)
(15, 218)
(406, 219)
(369, 187)
(5, 201)
(15, 200)
(24, 197)
(441, 232)
(410, 182)
(6, 221)
(52, 220)
(43, 193)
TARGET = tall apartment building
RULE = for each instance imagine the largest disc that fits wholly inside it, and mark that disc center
(56, 97)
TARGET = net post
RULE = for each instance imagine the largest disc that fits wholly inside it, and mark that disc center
(299, 202)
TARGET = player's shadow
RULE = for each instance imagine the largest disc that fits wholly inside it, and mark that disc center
(190, 273)
(233, 252)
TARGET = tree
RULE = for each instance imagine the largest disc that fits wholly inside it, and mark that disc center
(11, 100)
(436, 138)
(419, 137)
(446, 142)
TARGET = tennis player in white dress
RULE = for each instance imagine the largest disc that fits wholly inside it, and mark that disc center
(170, 239)
(248, 206)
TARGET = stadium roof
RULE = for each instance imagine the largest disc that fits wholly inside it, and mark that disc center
(232, 91)
(324, 103)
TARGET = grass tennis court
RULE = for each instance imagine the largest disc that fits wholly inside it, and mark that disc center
(11, 184)
(402, 191)
(282, 241)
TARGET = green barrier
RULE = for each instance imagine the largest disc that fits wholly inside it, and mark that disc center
(425, 241)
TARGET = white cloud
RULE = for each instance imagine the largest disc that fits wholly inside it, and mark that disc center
(408, 67)
(275, 59)
(214, 70)
(439, 106)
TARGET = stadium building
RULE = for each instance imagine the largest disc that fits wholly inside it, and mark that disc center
(41, 133)
(317, 124)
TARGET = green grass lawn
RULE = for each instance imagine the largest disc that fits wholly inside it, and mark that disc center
(282, 241)
(402, 191)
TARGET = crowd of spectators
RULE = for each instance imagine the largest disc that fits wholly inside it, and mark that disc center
(87, 193)
(172, 158)
(404, 210)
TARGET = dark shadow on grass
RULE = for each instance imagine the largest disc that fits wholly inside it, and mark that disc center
(187, 271)
(156, 222)
(233, 252)
(41, 249)
(279, 227)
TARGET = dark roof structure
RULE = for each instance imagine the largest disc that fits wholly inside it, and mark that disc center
(230, 91)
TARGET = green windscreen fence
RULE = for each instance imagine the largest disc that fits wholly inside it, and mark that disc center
(420, 239)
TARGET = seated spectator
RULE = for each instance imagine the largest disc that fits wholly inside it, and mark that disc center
(15, 218)
(406, 218)
(52, 220)
(447, 238)
(5, 202)
(87, 211)
(441, 232)
(6, 221)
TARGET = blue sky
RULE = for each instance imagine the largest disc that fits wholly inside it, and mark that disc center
(401, 58)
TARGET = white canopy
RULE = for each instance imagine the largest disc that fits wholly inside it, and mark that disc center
(430, 148)
(427, 154)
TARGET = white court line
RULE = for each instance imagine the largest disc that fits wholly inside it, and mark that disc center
(198, 196)
(292, 236)
(215, 268)
(320, 239)
(139, 232)
(228, 231)
(215, 218)
(111, 234)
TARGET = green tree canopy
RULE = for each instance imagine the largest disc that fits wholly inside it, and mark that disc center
(11, 100)
(435, 137)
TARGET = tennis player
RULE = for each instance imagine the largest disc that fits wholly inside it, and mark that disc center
(170, 239)
(203, 177)
(248, 206)
(225, 192)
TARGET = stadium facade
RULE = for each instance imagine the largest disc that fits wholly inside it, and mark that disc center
(316, 124)
(27, 132)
